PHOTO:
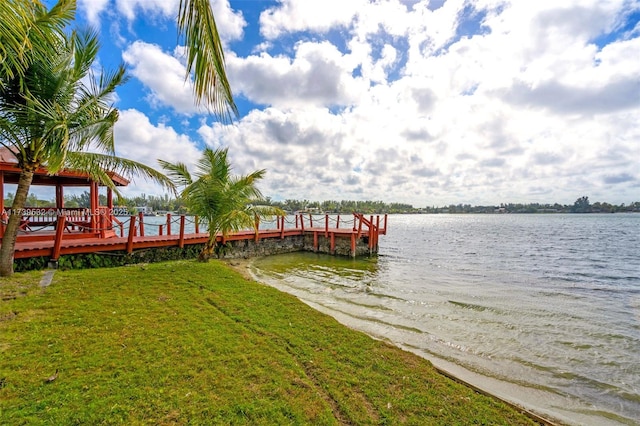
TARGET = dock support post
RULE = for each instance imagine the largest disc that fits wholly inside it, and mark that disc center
(377, 232)
(326, 226)
(353, 245)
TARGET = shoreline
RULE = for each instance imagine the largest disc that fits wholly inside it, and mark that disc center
(243, 267)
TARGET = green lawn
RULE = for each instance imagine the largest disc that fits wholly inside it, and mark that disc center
(192, 343)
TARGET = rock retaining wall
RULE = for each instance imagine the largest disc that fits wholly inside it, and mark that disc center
(250, 248)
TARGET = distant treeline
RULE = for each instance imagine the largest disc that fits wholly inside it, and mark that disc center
(582, 205)
(167, 203)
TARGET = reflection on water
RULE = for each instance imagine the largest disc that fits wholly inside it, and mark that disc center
(542, 310)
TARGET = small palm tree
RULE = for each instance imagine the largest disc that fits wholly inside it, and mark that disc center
(53, 112)
(224, 201)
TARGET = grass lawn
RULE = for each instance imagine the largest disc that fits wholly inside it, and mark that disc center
(192, 343)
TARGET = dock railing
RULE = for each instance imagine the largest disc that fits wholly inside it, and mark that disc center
(51, 224)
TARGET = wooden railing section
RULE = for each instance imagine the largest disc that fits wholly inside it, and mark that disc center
(76, 224)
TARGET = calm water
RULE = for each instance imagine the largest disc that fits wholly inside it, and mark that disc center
(543, 310)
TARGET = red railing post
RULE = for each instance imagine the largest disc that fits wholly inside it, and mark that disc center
(57, 245)
(326, 226)
(310, 220)
(301, 222)
(132, 231)
(168, 223)
(197, 224)
(181, 240)
(371, 232)
(141, 220)
(103, 224)
(338, 222)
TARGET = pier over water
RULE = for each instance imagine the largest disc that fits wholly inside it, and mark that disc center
(48, 233)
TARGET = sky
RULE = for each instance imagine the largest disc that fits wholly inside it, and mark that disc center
(424, 102)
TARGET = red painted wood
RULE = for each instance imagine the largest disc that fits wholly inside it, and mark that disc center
(326, 225)
(42, 243)
(141, 220)
(353, 245)
(132, 232)
(58, 240)
(181, 240)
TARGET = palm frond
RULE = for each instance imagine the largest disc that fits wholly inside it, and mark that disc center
(178, 172)
(99, 165)
(205, 57)
(28, 31)
(85, 48)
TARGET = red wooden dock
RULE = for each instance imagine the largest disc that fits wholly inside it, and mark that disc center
(68, 237)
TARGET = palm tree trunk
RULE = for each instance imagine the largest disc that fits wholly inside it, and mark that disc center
(11, 232)
(208, 250)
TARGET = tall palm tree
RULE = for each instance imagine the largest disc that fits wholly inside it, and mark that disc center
(53, 113)
(224, 201)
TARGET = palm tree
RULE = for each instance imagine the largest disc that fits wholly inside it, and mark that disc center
(222, 200)
(53, 112)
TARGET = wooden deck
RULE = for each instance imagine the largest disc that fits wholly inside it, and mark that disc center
(65, 241)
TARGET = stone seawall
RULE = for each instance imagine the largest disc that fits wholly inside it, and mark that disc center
(245, 249)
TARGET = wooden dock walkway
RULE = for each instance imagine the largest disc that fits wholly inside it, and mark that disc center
(67, 239)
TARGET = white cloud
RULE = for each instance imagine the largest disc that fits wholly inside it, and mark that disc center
(93, 9)
(318, 74)
(291, 16)
(164, 8)
(162, 74)
(140, 140)
(230, 23)
(404, 108)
